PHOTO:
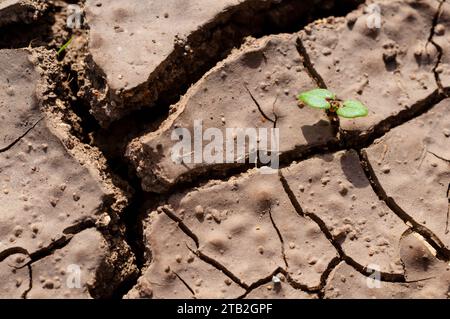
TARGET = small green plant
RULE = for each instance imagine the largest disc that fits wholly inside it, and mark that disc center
(326, 100)
(64, 46)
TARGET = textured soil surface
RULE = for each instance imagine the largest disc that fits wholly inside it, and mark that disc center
(94, 206)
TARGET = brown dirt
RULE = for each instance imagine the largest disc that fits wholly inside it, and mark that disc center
(87, 179)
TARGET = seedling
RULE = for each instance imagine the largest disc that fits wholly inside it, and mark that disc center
(326, 100)
(64, 46)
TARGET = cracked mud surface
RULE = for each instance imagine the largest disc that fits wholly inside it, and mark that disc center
(95, 207)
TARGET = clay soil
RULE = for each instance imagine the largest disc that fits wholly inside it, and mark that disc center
(92, 204)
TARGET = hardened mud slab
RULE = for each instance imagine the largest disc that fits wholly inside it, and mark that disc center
(69, 272)
(334, 188)
(44, 190)
(14, 281)
(248, 229)
(18, 105)
(47, 194)
(145, 50)
(255, 87)
(411, 164)
(175, 271)
(25, 11)
(426, 276)
(389, 68)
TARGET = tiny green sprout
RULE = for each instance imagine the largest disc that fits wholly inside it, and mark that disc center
(64, 46)
(326, 100)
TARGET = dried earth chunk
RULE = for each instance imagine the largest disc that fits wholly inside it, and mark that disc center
(150, 50)
(25, 11)
(175, 271)
(426, 277)
(334, 188)
(249, 226)
(268, 70)
(70, 272)
(14, 281)
(48, 191)
(412, 164)
(386, 68)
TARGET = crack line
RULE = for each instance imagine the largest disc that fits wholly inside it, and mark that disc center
(389, 277)
(211, 261)
(185, 283)
(274, 122)
(437, 46)
(7, 148)
(280, 236)
(167, 209)
(440, 157)
(441, 251)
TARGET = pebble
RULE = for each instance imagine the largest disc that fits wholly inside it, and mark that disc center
(447, 132)
(190, 258)
(386, 169)
(439, 29)
(199, 211)
(10, 91)
(343, 190)
(76, 197)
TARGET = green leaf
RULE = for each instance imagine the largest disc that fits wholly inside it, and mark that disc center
(351, 109)
(64, 46)
(317, 98)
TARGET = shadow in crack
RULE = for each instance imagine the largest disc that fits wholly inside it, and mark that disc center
(353, 171)
(314, 133)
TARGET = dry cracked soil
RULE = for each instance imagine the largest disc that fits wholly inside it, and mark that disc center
(93, 204)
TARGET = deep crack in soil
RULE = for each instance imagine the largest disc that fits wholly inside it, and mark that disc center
(122, 131)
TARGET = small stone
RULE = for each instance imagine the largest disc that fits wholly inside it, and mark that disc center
(386, 169)
(199, 211)
(326, 51)
(76, 197)
(343, 190)
(446, 132)
(20, 259)
(190, 258)
(227, 282)
(261, 250)
(291, 245)
(178, 258)
(439, 29)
